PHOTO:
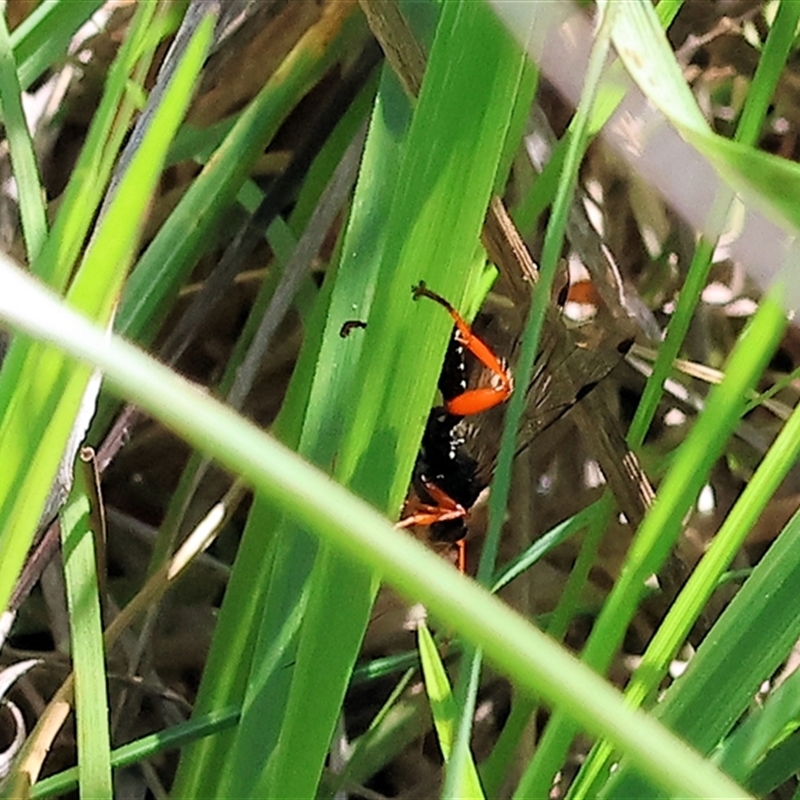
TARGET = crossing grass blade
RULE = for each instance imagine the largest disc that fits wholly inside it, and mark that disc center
(531, 659)
(140, 749)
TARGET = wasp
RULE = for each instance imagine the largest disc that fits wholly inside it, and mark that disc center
(458, 451)
(448, 480)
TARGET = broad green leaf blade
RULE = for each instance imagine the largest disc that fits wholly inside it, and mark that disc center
(322, 384)
(229, 662)
(436, 213)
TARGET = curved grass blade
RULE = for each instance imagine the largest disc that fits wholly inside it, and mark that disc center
(532, 660)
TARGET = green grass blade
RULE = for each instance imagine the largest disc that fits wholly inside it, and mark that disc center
(203, 766)
(445, 713)
(643, 47)
(639, 33)
(745, 647)
(34, 434)
(780, 41)
(45, 392)
(285, 578)
(610, 94)
(595, 519)
(23, 160)
(661, 526)
(689, 604)
(116, 237)
(779, 765)
(393, 728)
(42, 38)
(554, 239)
(81, 200)
(544, 544)
(531, 659)
(86, 636)
(667, 10)
(311, 419)
(168, 259)
(146, 747)
(766, 728)
(776, 51)
(229, 664)
(780, 458)
(551, 251)
(436, 211)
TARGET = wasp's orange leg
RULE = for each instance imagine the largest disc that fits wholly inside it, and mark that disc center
(473, 401)
(444, 510)
(461, 556)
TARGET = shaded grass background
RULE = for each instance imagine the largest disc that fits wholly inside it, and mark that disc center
(294, 611)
